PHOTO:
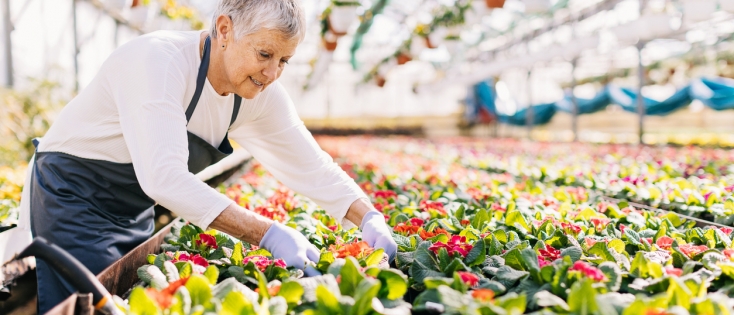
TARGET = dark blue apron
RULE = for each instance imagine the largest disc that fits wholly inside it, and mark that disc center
(96, 210)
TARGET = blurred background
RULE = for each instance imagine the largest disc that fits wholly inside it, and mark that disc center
(609, 71)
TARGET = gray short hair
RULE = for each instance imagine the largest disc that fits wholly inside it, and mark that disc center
(250, 16)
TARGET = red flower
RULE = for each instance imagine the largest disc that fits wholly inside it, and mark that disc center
(729, 253)
(385, 194)
(727, 230)
(549, 253)
(432, 207)
(664, 242)
(262, 262)
(571, 228)
(273, 213)
(673, 271)
(589, 242)
(599, 223)
(196, 259)
(484, 295)
(457, 244)
(692, 250)
(587, 270)
(465, 222)
(206, 242)
(469, 278)
(426, 235)
(416, 222)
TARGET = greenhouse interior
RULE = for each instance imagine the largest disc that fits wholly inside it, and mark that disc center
(363, 157)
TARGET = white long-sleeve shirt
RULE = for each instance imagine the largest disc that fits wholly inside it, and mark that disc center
(134, 112)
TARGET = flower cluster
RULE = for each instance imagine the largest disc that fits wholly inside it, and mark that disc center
(456, 245)
(588, 271)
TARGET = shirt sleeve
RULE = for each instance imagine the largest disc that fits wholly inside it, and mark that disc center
(278, 139)
(149, 95)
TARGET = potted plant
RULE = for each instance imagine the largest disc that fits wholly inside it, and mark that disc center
(492, 4)
(342, 14)
(329, 39)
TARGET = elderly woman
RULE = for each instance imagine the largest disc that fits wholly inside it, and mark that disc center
(163, 107)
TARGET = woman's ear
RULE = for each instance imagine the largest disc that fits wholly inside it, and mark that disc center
(224, 29)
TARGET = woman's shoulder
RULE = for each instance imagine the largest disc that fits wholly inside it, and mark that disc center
(159, 44)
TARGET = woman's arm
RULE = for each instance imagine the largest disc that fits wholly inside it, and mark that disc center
(242, 224)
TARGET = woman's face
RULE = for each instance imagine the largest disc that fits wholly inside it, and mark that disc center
(255, 61)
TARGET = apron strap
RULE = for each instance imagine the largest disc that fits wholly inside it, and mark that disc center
(236, 111)
(200, 79)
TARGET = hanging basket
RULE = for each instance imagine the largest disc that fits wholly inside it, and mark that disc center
(493, 4)
(329, 45)
(403, 58)
(341, 18)
(380, 80)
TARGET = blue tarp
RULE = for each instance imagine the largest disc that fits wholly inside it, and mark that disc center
(716, 93)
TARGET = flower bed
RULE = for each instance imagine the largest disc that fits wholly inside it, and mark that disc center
(470, 242)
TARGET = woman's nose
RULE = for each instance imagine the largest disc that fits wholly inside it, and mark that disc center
(271, 71)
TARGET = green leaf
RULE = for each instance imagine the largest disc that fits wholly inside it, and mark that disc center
(142, 304)
(643, 268)
(292, 291)
(394, 284)
(617, 245)
(151, 259)
(546, 299)
(679, 294)
(425, 257)
(261, 252)
(350, 276)
(515, 217)
(235, 303)
(572, 252)
(480, 218)
(326, 301)
(212, 274)
(366, 291)
(443, 259)
(187, 268)
(476, 255)
(582, 298)
(201, 293)
(454, 266)
(601, 250)
(237, 254)
(375, 258)
(325, 260)
(495, 247)
(613, 273)
(508, 276)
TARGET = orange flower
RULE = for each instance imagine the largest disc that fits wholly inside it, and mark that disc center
(164, 297)
(356, 250)
(484, 295)
(405, 229)
(655, 311)
(272, 291)
(426, 235)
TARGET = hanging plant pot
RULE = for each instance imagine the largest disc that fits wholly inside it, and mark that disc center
(341, 18)
(380, 80)
(493, 4)
(403, 58)
(329, 40)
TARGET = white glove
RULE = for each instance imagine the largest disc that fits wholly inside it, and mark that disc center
(377, 234)
(290, 245)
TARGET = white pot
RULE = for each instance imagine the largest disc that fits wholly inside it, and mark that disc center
(536, 6)
(341, 17)
(698, 10)
(138, 15)
(727, 5)
(117, 5)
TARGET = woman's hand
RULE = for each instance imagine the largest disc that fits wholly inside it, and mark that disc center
(290, 245)
(374, 229)
(280, 240)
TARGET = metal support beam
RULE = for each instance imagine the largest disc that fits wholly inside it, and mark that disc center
(640, 99)
(574, 101)
(7, 43)
(529, 114)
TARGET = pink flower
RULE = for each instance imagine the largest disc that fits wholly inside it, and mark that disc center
(571, 228)
(729, 253)
(673, 271)
(262, 262)
(385, 194)
(664, 242)
(587, 270)
(196, 259)
(727, 230)
(542, 262)
(589, 242)
(432, 206)
(456, 245)
(549, 253)
(599, 223)
(469, 278)
(692, 250)
(206, 241)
